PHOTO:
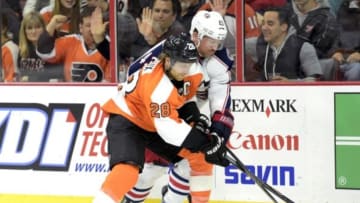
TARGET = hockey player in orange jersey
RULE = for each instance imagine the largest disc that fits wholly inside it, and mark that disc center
(208, 32)
(146, 115)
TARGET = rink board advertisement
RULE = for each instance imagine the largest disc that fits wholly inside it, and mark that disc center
(347, 134)
(302, 140)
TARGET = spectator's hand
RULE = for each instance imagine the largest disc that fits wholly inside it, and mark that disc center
(339, 57)
(98, 27)
(353, 58)
(215, 151)
(219, 6)
(145, 25)
(55, 23)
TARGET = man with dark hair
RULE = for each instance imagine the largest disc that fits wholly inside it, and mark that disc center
(156, 24)
(280, 53)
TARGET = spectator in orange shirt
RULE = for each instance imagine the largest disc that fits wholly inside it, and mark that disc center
(9, 53)
(66, 14)
(82, 61)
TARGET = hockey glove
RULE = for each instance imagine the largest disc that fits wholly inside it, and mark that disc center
(215, 151)
(222, 124)
(198, 136)
(189, 112)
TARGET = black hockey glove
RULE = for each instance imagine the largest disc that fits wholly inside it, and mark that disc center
(215, 151)
(198, 136)
(189, 112)
(222, 123)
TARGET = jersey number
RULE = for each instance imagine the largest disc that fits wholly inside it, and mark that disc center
(160, 110)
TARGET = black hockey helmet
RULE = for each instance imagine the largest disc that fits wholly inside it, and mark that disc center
(181, 48)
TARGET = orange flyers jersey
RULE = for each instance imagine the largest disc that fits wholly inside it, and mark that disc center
(47, 14)
(10, 53)
(80, 64)
(251, 23)
(151, 101)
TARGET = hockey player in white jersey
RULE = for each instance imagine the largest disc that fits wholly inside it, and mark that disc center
(208, 31)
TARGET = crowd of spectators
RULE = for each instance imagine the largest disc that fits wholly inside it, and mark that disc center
(35, 37)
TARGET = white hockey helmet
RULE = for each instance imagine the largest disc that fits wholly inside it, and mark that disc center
(209, 23)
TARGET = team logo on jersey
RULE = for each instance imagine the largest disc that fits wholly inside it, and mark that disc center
(87, 73)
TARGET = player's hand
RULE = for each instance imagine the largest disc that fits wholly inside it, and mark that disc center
(202, 124)
(222, 124)
(215, 151)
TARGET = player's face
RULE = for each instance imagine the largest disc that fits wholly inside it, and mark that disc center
(208, 46)
(179, 70)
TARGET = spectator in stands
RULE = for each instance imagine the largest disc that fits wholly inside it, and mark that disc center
(37, 5)
(135, 7)
(188, 10)
(126, 34)
(103, 4)
(251, 29)
(334, 5)
(32, 68)
(82, 61)
(347, 48)
(281, 55)
(13, 21)
(316, 24)
(65, 13)
(9, 53)
(156, 24)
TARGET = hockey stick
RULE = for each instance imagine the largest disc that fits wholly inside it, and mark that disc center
(232, 158)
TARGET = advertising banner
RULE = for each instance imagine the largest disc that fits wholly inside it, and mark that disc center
(301, 140)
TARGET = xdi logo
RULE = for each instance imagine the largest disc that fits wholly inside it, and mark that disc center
(39, 137)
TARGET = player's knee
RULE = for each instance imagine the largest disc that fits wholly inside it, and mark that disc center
(126, 174)
(182, 169)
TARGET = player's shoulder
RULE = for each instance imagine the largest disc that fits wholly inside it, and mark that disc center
(222, 56)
